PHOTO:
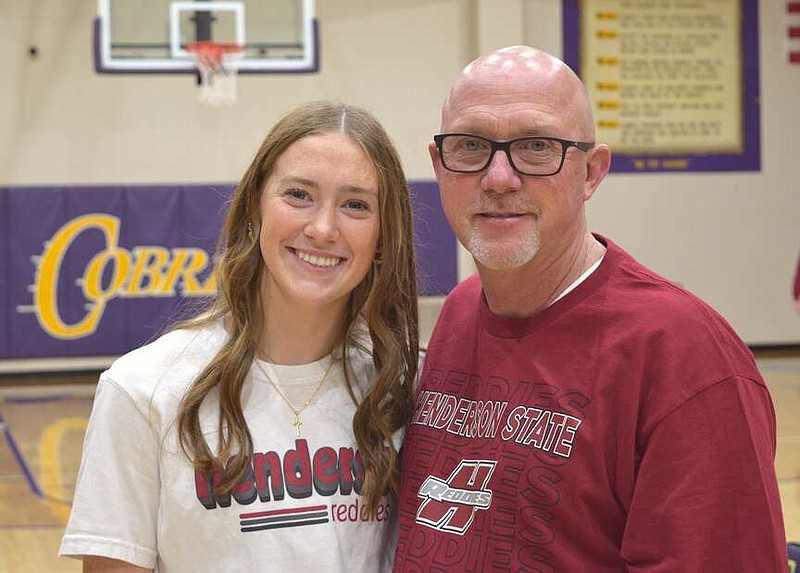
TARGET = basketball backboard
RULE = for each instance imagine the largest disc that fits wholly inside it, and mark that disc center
(150, 36)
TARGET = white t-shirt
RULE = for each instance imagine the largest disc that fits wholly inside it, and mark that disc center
(138, 498)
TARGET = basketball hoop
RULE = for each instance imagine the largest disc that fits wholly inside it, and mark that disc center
(217, 76)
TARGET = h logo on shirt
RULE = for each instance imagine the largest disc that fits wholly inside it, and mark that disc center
(450, 505)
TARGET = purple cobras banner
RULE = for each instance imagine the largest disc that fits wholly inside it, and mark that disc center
(100, 270)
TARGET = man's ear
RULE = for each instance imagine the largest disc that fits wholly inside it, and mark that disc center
(434, 153)
(597, 165)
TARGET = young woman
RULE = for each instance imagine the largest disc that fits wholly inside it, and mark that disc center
(263, 434)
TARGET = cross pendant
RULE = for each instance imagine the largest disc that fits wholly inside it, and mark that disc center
(297, 422)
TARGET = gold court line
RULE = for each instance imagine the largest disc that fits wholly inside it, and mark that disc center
(51, 470)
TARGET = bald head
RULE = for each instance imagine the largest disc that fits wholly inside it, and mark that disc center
(517, 75)
(516, 59)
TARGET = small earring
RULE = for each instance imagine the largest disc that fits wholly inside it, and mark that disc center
(250, 234)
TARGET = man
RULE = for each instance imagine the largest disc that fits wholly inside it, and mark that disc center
(577, 413)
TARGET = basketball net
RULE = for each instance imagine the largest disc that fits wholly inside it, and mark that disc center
(217, 76)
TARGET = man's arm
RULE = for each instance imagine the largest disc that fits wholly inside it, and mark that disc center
(706, 496)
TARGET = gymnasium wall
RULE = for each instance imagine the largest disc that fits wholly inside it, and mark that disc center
(732, 238)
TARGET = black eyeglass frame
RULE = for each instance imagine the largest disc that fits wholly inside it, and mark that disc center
(506, 147)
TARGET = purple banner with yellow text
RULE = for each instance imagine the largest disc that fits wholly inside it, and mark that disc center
(100, 270)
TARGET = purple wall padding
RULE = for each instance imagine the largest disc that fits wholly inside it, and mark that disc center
(85, 271)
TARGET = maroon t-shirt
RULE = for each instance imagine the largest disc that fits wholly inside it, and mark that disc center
(624, 428)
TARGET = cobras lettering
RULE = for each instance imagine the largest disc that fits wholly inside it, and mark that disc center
(144, 271)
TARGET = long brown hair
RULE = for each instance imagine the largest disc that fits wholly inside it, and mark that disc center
(386, 299)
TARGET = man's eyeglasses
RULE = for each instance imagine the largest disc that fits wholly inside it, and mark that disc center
(541, 156)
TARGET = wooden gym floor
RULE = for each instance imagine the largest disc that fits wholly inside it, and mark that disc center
(43, 419)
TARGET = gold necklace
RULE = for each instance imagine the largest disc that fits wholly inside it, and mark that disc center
(297, 422)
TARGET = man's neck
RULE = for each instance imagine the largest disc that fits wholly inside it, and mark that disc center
(527, 289)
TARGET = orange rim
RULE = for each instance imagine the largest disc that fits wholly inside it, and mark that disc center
(209, 54)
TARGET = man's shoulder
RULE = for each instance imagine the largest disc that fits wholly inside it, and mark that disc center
(642, 288)
(464, 297)
(662, 311)
(468, 289)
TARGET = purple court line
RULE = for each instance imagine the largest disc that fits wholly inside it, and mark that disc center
(26, 472)
(35, 399)
(20, 460)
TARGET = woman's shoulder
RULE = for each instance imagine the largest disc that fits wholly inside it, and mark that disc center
(171, 361)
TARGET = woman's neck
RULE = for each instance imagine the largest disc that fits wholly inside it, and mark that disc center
(292, 335)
